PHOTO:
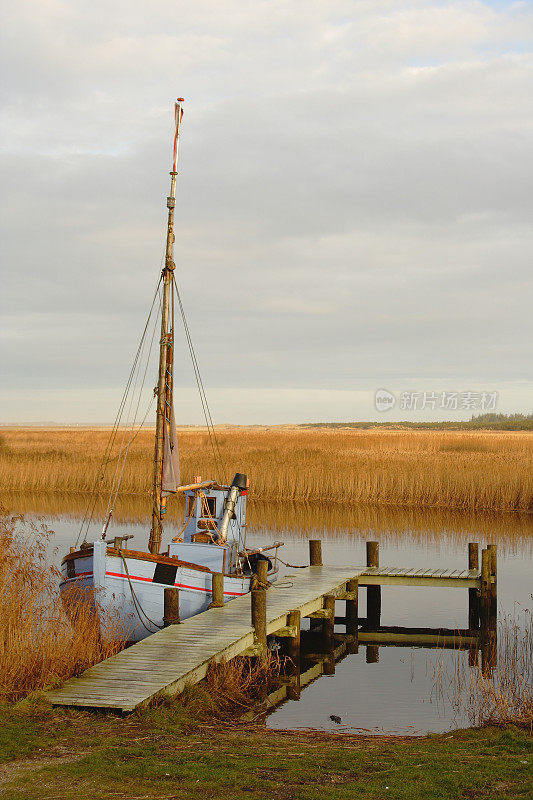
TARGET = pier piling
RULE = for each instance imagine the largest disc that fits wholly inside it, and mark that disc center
(294, 619)
(328, 628)
(315, 552)
(485, 590)
(218, 590)
(373, 615)
(473, 598)
(171, 607)
(259, 615)
(372, 654)
(352, 615)
(493, 613)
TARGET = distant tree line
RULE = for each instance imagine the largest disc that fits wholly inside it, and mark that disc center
(489, 421)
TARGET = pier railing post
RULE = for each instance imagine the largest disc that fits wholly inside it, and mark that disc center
(473, 598)
(352, 615)
(294, 619)
(488, 612)
(485, 590)
(373, 595)
(372, 654)
(217, 586)
(328, 629)
(493, 613)
(259, 617)
(315, 552)
(171, 606)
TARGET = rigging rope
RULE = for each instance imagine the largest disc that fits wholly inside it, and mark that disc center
(106, 458)
(217, 456)
(123, 454)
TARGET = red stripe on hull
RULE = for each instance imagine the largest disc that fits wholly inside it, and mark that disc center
(179, 585)
(77, 575)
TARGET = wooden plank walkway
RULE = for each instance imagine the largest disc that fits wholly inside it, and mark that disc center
(405, 576)
(179, 655)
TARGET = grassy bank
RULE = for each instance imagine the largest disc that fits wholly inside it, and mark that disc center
(472, 471)
(165, 753)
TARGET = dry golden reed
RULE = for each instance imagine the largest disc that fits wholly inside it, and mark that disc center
(230, 689)
(468, 470)
(42, 640)
(499, 696)
(389, 524)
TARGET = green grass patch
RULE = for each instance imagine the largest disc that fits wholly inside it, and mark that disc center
(167, 753)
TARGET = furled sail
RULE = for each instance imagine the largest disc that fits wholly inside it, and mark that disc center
(171, 461)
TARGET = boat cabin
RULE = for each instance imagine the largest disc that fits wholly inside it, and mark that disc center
(200, 540)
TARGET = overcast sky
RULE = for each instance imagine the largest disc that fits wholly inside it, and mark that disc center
(354, 203)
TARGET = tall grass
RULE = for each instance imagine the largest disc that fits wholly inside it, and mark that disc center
(471, 471)
(388, 523)
(229, 690)
(43, 641)
(504, 695)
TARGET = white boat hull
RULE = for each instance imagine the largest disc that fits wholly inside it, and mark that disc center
(125, 590)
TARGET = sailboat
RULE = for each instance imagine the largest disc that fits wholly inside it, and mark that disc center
(212, 539)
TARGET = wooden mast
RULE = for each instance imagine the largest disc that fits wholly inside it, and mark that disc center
(164, 384)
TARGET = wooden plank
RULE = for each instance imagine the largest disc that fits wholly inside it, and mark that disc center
(399, 580)
(288, 630)
(383, 638)
(321, 613)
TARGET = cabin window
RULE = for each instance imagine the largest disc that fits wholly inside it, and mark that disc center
(191, 500)
(209, 507)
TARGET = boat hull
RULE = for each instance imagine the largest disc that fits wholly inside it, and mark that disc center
(129, 596)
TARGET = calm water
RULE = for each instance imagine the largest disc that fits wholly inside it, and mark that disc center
(400, 693)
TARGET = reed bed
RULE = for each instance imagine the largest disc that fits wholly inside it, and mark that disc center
(230, 689)
(470, 471)
(504, 695)
(391, 524)
(43, 641)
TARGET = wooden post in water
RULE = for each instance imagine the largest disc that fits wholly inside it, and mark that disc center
(171, 608)
(473, 657)
(328, 629)
(493, 614)
(372, 654)
(473, 604)
(262, 573)
(315, 560)
(473, 598)
(352, 615)
(485, 592)
(489, 645)
(315, 552)
(259, 607)
(373, 593)
(293, 652)
(218, 590)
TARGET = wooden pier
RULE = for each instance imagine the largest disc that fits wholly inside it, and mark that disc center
(181, 654)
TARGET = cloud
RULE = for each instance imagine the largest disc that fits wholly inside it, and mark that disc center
(353, 200)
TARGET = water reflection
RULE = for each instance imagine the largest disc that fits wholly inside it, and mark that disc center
(398, 692)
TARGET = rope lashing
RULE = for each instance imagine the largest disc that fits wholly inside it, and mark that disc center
(136, 603)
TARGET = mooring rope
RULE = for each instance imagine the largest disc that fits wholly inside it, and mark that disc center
(292, 566)
(136, 603)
